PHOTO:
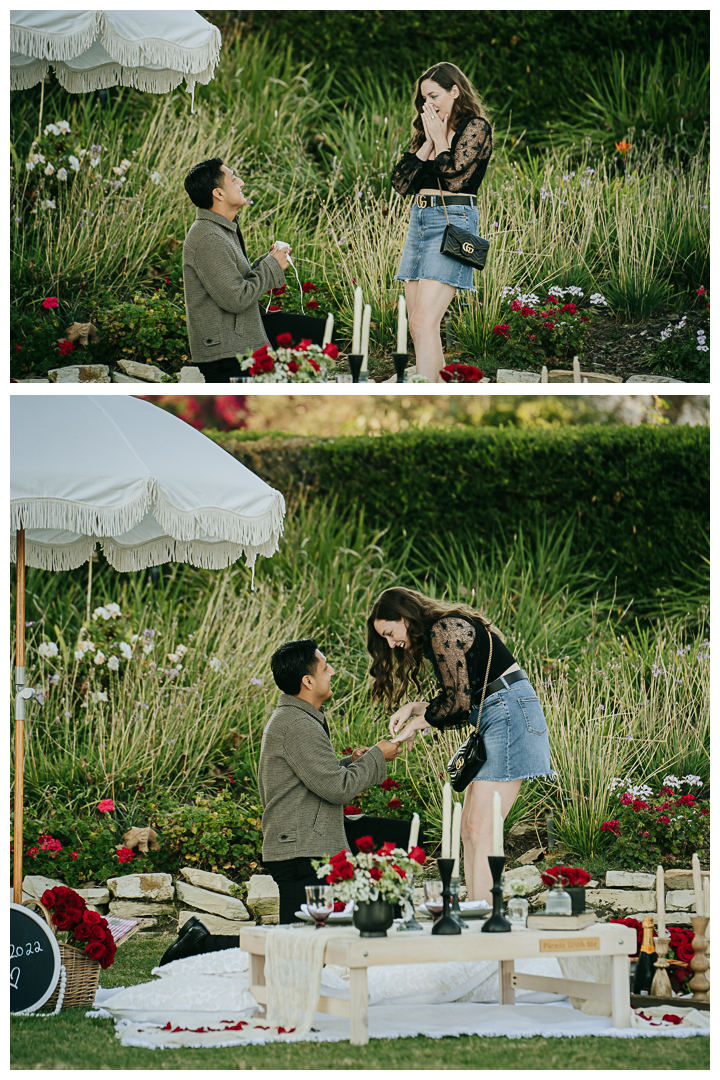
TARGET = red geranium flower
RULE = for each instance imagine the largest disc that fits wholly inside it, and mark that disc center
(664, 819)
(280, 291)
(309, 287)
(516, 305)
(394, 804)
(347, 750)
(585, 319)
(639, 804)
(284, 341)
(626, 799)
(551, 300)
(311, 305)
(502, 328)
(365, 843)
(350, 809)
(701, 291)
(331, 350)
(105, 804)
(527, 311)
(389, 783)
(274, 307)
(50, 302)
(568, 309)
(611, 826)
(124, 854)
(66, 347)
(548, 325)
(686, 800)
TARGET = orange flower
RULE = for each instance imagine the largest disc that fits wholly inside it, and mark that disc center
(623, 147)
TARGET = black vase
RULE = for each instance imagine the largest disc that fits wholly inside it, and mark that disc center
(373, 917)
(577, 897)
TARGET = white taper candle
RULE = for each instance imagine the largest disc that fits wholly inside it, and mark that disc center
(455, 848)
(357, 318)
(414, 831)
(706, 902)
(497, 825)
(329, 324)
(660, 888)
(365, 342)
(697, 883)
(402, 326)
(447, 805)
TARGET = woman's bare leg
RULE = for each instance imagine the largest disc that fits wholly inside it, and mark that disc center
(430, 301)
(476, 831)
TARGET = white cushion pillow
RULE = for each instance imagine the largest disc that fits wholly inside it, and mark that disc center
(412, 984)
(196, 1001)
(222, 962)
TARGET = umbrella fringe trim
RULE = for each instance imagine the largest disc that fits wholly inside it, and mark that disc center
(113, 74)
(29, 75)
(67, 516)
(46, 557)
(46, 45)
(216, 556)
(186, 525)
(156, 51)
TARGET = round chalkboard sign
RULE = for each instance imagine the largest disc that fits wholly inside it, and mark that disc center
(34, 960)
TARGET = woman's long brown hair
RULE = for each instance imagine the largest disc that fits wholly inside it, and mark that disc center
(467, 104)
(392, 669)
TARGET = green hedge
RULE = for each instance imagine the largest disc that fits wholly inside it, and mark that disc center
(639, 495)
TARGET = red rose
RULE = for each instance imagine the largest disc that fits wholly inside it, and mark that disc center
(365, 843)
(678, 936)
(340, 857)
(339, 905)
(96, 950)
(48, 898)
(313, 363)
(387, 848)
(376, 873)
(304, 344)
(550, 876)
(389, 783)
(260, 353)
(399, 871)
(345, 871)
(685, 953)
(293, 368)
(65, 919)
(109, 956)
(417, 855)
(284, 340)
(312, 304)
(331, 350)
(309, 287)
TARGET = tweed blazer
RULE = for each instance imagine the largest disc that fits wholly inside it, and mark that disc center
(304, 785)
(222, 289)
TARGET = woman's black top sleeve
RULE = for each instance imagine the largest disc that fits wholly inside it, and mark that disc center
(460, 169)
(458, 649)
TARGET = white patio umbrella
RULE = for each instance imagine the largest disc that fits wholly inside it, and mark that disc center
(92, 50)
(120, 473)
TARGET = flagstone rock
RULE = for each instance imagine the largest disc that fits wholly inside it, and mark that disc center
(559, 376)
(191, 374)
(95, 896)
(263, 897)
(215, 924)
(146, 372)
(529, 875)
(510, 375)
(625, 900)
(679, 879)
(35, 885)
(680, 900)
(205, 880)
(629, 879)
(652, 378)
(129, 909)
(531, 856)
(226, 906)
(142, 887)
(80, 373)
(118, 377)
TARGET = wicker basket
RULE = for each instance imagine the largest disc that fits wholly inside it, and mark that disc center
(82, 973)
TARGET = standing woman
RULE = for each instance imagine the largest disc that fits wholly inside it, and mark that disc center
(404, 628)
(451, 147)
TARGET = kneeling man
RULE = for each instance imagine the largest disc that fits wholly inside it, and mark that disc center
(303, 784)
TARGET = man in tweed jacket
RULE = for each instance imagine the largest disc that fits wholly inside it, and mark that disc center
(303, 784)
(222, 289)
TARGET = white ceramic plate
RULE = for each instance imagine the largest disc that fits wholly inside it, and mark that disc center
(334, 916)
(469, 909)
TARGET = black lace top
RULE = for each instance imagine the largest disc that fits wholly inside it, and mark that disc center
(459, 169)
(458, 650)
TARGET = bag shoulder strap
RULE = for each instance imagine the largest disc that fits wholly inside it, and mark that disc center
(487, 676)
(443, 201)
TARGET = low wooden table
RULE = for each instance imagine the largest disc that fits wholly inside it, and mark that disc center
(351, 951)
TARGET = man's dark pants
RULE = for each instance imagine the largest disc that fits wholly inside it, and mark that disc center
(221, 370)
(291, 877)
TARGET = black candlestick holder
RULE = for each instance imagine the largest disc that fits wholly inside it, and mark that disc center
(400, 360)
(355, 361)
(497, 923)
(446, 924)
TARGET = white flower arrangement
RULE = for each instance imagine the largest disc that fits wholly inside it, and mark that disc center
(371, 875)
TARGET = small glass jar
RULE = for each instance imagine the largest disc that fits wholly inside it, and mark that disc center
(558, 901)
(517, 910)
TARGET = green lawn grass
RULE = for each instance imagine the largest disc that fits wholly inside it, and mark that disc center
(71, 1041)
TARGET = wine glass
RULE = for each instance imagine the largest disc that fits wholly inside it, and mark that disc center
(434, 898)
(319, 903)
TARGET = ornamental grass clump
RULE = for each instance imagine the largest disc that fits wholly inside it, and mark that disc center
(657, 822)
(371, 874)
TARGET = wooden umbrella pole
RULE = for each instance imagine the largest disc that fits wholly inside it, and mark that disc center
(19, 715)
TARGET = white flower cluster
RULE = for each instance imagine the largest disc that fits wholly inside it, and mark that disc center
(48, 648)
(109, 611)
(514, 292)
(177, 655)
(670, 329)
(701, 346)
(672, 781)
(598, 299)
(60, 127)
(639, 791)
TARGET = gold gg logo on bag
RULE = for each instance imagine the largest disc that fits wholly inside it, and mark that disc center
(459, 763)
(468, 247)
(422, 202)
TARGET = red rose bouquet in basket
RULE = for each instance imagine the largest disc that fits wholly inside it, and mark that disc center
(69, 911)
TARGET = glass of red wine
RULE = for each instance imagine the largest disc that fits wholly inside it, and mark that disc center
(434, 898)
(319, 903)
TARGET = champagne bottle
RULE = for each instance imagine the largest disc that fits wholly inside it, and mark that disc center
(646, 961)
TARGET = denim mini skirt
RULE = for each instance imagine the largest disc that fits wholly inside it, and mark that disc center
(421, 259)
(515, 734)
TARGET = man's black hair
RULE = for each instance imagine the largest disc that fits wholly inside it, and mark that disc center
(202, 180)
(293, 660)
